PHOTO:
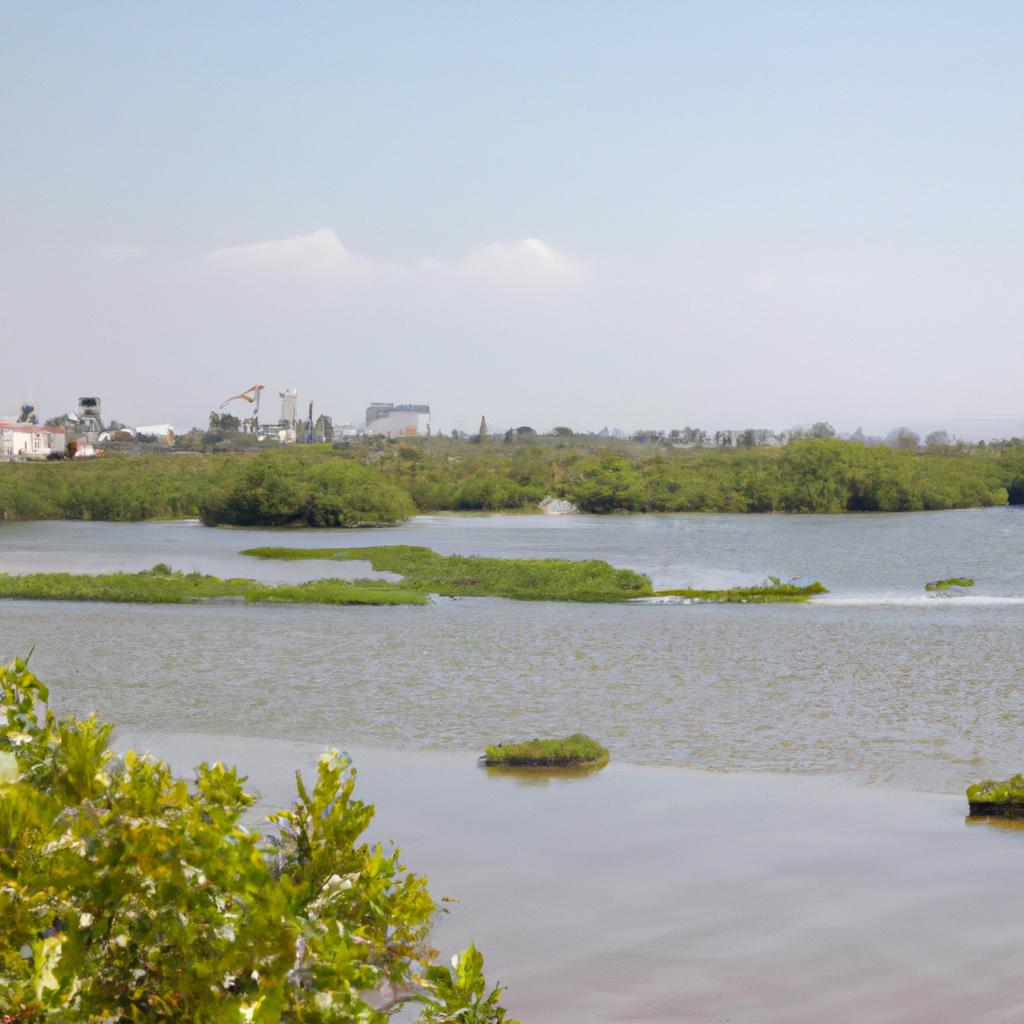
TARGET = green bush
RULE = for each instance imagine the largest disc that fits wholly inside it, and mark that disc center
(130, 895)
(575, 751)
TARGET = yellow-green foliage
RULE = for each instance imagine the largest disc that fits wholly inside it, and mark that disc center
(160, 585)
(525, 579)
(130, 895)
(576, 751)
(953, 581)
(1009, 791)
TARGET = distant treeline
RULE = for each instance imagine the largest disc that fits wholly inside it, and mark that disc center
(321, 486)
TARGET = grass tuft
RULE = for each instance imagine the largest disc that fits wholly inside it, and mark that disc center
(953, 581)
(576, 751)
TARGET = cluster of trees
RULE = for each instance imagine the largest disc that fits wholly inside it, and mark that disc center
(815, 475)
(129, 894)
(293, 488)
(386, 482)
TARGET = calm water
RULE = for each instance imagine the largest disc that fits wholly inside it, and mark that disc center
(876, 683)
(650, 891)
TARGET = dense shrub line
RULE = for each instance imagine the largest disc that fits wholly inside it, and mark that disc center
(319, 486)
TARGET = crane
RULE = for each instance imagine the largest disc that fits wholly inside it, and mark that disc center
(252, 396)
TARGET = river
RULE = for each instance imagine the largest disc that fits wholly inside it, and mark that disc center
(780, 834)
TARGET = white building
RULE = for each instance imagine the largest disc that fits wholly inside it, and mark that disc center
(389, 420)
(28, 440)
(162, 431)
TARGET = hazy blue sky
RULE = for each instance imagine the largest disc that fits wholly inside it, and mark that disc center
(634, 214)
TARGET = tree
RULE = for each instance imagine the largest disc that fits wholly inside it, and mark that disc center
(903, 437)
(130, 895)
(562, 431)
(937, 440)
(822, 429)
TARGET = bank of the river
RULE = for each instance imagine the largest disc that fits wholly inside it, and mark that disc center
(387, 483)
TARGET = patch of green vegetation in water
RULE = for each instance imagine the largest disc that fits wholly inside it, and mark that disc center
(524, 579)
(1005, 798)
(161, 585)
(576, 751)
(953, 581)
(773, 589)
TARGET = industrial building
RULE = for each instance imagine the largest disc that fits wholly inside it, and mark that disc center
(389, 420)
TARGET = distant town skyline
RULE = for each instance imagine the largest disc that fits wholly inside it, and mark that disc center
(641, 216)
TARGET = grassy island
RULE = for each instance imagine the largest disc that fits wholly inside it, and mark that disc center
(423, 572)
(576, 751)
(953, 581)
(768, 592)
(997, 799)
(524, 579)
(161, 585)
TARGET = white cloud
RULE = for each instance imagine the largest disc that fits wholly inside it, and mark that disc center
(319, 254)
(528, 259)
(322, 254)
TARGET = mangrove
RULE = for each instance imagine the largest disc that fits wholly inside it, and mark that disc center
(129, 893)
(378, 483)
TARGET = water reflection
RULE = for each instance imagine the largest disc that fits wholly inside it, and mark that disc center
(539, 776)
(664, 895)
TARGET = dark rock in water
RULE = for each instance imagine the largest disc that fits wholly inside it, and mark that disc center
(981, 809)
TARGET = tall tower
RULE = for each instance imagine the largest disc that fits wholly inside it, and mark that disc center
(90, 417)
(289, 407)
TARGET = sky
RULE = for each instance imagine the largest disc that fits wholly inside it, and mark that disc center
(642, 215)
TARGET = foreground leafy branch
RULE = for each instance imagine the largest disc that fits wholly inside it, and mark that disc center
(127, 894)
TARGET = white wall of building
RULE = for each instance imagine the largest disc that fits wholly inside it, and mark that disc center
(28, 439)
(400, 423)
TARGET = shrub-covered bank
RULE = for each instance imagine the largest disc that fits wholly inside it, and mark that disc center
(379, 485)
